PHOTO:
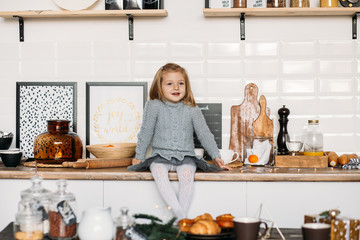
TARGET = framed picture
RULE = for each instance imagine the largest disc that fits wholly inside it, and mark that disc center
(114, 111)
(37, 102)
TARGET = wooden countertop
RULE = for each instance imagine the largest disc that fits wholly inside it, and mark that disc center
(247, 173)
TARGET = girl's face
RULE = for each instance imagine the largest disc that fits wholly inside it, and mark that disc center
(173, 86)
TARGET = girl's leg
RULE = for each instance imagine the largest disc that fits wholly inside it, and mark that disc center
(160, 172)
(186, 172)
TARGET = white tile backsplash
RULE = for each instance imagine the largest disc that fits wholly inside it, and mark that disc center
(9, 51)
(337, 86)
(186, 50)
(299, 67)
(9, 69)
(261, 49)
(218, 50)
(224, 68)
(38, 68)
(150, 50)
(335, 67)
(298, 86)
(298, 49)
(261, 68)
(38, 51)
(73, 69)
(336, 49)
(74, 50)
(112, 68)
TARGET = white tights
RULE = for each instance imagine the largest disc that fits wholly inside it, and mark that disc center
(186, 171)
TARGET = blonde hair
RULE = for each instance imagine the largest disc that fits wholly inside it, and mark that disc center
(156, 89)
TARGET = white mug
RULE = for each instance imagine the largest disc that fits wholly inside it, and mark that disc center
(227, 155)
(199, 152)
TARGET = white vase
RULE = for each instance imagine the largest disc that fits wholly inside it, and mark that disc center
(96, 224)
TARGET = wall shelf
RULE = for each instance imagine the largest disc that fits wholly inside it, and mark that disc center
(21, 15)
(282, 12)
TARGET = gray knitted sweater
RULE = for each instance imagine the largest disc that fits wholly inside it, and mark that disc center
(170, 126)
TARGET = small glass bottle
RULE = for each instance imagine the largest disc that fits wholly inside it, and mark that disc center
(122, 223)
(42, 195)
(62, 213)
(28, 221)
(299, 3)
(276, 3)
(313, 139)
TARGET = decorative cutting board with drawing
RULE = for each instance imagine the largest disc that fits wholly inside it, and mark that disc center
(243, 117)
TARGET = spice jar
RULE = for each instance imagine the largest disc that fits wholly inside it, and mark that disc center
(300, 3)
(240, 3)
(122, 223)
(276, 3)
(62, 213)
(313, 139)
(57, 145)
(329, 3)
(42, 196)
(28, 221)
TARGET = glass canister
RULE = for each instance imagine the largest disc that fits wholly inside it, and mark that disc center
(122, 223)
(276, 3)
(57, 145)
(300, 3)
(62, 213)
(28, 221)
(313, 139)
(329, 3)
(42, 195)
(258, 150)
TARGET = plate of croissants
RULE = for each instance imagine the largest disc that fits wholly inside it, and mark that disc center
(205, 227)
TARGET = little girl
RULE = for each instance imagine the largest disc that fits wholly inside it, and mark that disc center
(170, 118)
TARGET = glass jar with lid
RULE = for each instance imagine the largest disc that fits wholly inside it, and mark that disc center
(28, 221)
(42, 195)
(123, 222)
(62, 213)
(313, 139)
(300, 3)
(276, 3)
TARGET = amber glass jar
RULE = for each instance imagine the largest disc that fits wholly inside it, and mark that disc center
(57, 145)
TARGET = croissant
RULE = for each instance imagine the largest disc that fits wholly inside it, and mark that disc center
(225, 221)
(185, 224)
(205, 227)
(205, 216)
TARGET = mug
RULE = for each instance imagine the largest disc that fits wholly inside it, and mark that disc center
(247, 228)
(316, 231)
(199, 152)
(227, 155)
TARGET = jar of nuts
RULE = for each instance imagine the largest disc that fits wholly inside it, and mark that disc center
(276, 3)
(299, 3)
(62, 213)
(28, 221)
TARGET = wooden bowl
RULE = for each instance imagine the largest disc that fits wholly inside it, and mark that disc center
(112, 150)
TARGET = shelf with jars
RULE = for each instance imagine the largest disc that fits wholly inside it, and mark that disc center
(20, 15)
(284, 12)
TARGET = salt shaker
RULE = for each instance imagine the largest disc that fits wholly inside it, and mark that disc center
(62, 213)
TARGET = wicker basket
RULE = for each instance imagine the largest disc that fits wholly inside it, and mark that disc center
(112, 150)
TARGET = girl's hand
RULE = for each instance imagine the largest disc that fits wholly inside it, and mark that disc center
(135, 161)
(220, 163)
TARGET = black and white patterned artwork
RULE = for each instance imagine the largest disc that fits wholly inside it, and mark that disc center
(39, 102)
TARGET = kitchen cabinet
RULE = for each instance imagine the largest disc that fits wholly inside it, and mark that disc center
(83, 14)
(282, 12)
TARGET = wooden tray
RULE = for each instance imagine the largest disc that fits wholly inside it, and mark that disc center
(301, 161)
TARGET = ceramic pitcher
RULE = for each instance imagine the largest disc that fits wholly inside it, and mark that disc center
(96, 224)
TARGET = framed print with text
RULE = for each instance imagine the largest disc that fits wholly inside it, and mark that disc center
(114, 111)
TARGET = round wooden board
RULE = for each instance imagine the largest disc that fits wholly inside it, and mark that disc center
(42, 165)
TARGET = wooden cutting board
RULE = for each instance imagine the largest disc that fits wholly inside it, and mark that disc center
(263, 126)
(242, 118)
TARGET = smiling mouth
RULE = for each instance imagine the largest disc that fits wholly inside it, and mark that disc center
(175, 94)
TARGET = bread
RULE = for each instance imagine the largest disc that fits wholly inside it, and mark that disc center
(332, 159)
(205, 216)
(225, 221)
(185, 224)
(205, 227)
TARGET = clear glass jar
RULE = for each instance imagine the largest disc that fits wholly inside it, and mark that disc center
(276, 3)
(42, 195)
(313, 139)
(300, 3)
(28, 221)
(329, 3)
(62, 213)
(122, 223)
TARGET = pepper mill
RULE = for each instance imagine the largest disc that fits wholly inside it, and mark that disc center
(281, 140)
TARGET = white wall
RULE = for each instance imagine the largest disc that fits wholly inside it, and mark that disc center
(310, 64)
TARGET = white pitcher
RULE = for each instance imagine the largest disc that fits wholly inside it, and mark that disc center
(96, 224)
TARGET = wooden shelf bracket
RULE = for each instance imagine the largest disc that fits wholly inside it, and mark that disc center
(354, 25)
(131, 26)
(242, 26)
(21, 28)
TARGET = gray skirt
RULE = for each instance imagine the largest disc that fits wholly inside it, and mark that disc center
(200, 164)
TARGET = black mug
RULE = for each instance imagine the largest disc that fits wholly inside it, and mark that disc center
(316, 231)
(247, 228)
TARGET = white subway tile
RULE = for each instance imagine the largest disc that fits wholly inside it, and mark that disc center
(193, 68)
(38, 50)
(338, 124)
(343, 85)
(74, 50)
(223, 50)
(198, 87)
(261, 49)
(37, 68)
(266, 86)
(9, 68)
(224, 88)
(336, 48)
(75, 68)
(147, 68)
(339, 143)
(111, 50)
(304, 86)
(298, 49)
(336, 105)
(333, 67)
(112, 68)
(302, 106)
(9, 51)
(189, 50)
(299, 67)
(224, 67)
(150, 50)
(261, 67)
